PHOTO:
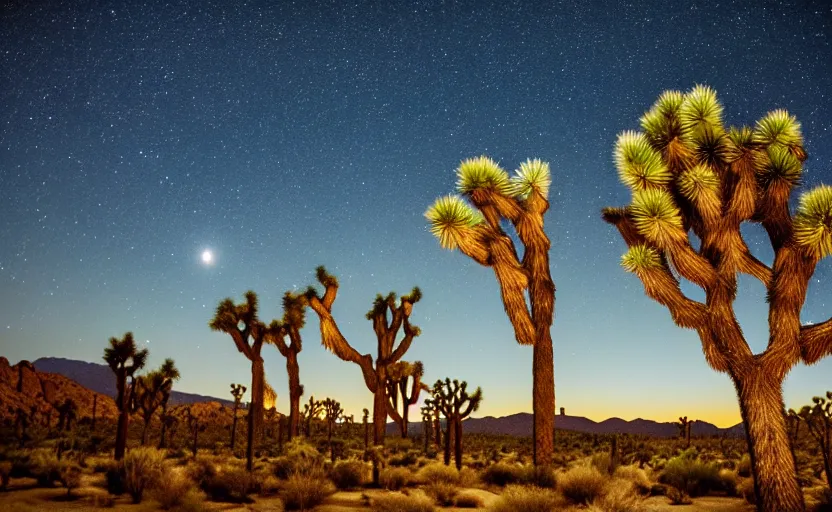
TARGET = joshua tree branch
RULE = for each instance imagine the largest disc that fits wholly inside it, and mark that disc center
(816, 341)
(410, 332)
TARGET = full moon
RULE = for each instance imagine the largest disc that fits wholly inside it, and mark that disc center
(207, 257)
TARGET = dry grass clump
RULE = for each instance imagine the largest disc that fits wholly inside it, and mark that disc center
(467, 499)
(304, 493)
(394, 479)
(502, 474)
(582, 484)
(301, 459)
(173, 490)
(141, 469)
(641, 482)
(45, 468)
(443, 493)
(397, 502)
(349, 474)
(232, 485)
(527, 499)
(619, 496)
(438, 473)
(690, 475)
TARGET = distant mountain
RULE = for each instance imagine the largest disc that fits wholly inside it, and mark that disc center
(520, 424)
(99, 378)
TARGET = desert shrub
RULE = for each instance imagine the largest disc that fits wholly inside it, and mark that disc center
(172, 490)
(582, 484)
(437, 472)
(745, 489)
(443, 493)
(304, 493)
(70, 478)
(141, 468)
(348, 474)
(620, 496)
(638, 477)
(269, 485)
(468, 477)
(728, 481)
(200, 470)
(408, 458)
(527, 499)
(691, 475)
(5, 474)
(45, 468)
(677, 496)
(396, 502)
(233, 485)
(394, 479)
(744, 466)
(541, 476)
(601, 461)
(503, 474)
(468, 500)
(301, 459)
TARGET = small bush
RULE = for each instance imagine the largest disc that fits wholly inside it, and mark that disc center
(443, 493)
(745, 489)
(541, 476)
(400, 503)
(468, 477)
(638, 477)
(304, 493)
(231, 486)
(744, 466)
(437, 473)
(502, 474)
(5, 474)
(620, 496)
(172, 490)
(602, 462)
(728, 481)
(405, 459)
(691, 475)
(270, 485)
(301, 459)
(678, 496)
(201, 470)
(349, 474)
(394, 479)
(468, 500)
(583, 484)
(142, 468)
(46, 468)
(527, 499)
(71, 478)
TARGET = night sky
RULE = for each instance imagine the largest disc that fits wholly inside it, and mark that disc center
(135, 136)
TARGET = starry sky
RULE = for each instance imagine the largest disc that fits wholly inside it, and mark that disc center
(286, 135)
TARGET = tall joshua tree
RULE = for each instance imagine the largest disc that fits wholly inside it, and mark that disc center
(334, 412)
(388, 316)
(692, 178)
(311, 411)
(427, 415)
(405, 382)
(152, 391)
(521, 201)
(818, 419)
(237, 391)
(294, 318)
(456, 404)
(124, 359)
(684, 429)
(241, 322)
(170, 374)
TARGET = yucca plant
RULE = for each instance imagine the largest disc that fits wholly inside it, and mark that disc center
(124, 358)
(389, 315)
(522, 201)
(692, 178)
(294, 318)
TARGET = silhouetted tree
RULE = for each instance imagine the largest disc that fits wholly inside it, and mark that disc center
(693, 179)
(237, 391)
(311, 411)
(152, 391)
(405, 382)
(684, 429)
(67, 411)
(388, 317)
(124, 359)
(521, 201)
(333, 412)
(452, 398)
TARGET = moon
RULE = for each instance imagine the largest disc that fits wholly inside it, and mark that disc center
(207, 257)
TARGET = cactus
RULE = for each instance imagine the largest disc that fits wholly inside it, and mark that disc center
(452, 398)
(818, 419)
(333, 412)
(241, 322)
(520, 201)
(294, 318)
(401, 377)
(692, 178)
(237, 391)
(124, 359)
(388, 317)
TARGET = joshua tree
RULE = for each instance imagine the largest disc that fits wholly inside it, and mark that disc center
(195, 428)
(684, 430)
(433, 404)
(388, 317)
(456, 404)
(169, 423)
(311, 411)
(692, 178)
(152, 391)
(169, 374)
(818, 419)
(240, 321)
(333, 411)
(427, 415)
(401, 376)
(294, 318)
(124, 359)
(366, 429)
(67, 412)
(522, 202)
(793, 423)
(237, 391)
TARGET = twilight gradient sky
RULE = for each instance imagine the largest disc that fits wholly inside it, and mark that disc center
(135, 135)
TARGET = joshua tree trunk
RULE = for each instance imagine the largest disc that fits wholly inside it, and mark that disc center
(763, 413)
(145, 428)
(458, 443)
(543, 401)
(121, 434)
(294, 393)
(380, 408)
(426, 434)
(449, 439)
(257, 390)
(437, 431)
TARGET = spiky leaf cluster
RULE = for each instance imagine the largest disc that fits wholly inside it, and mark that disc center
(451, 219)
(482, 173)
(813, 222)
